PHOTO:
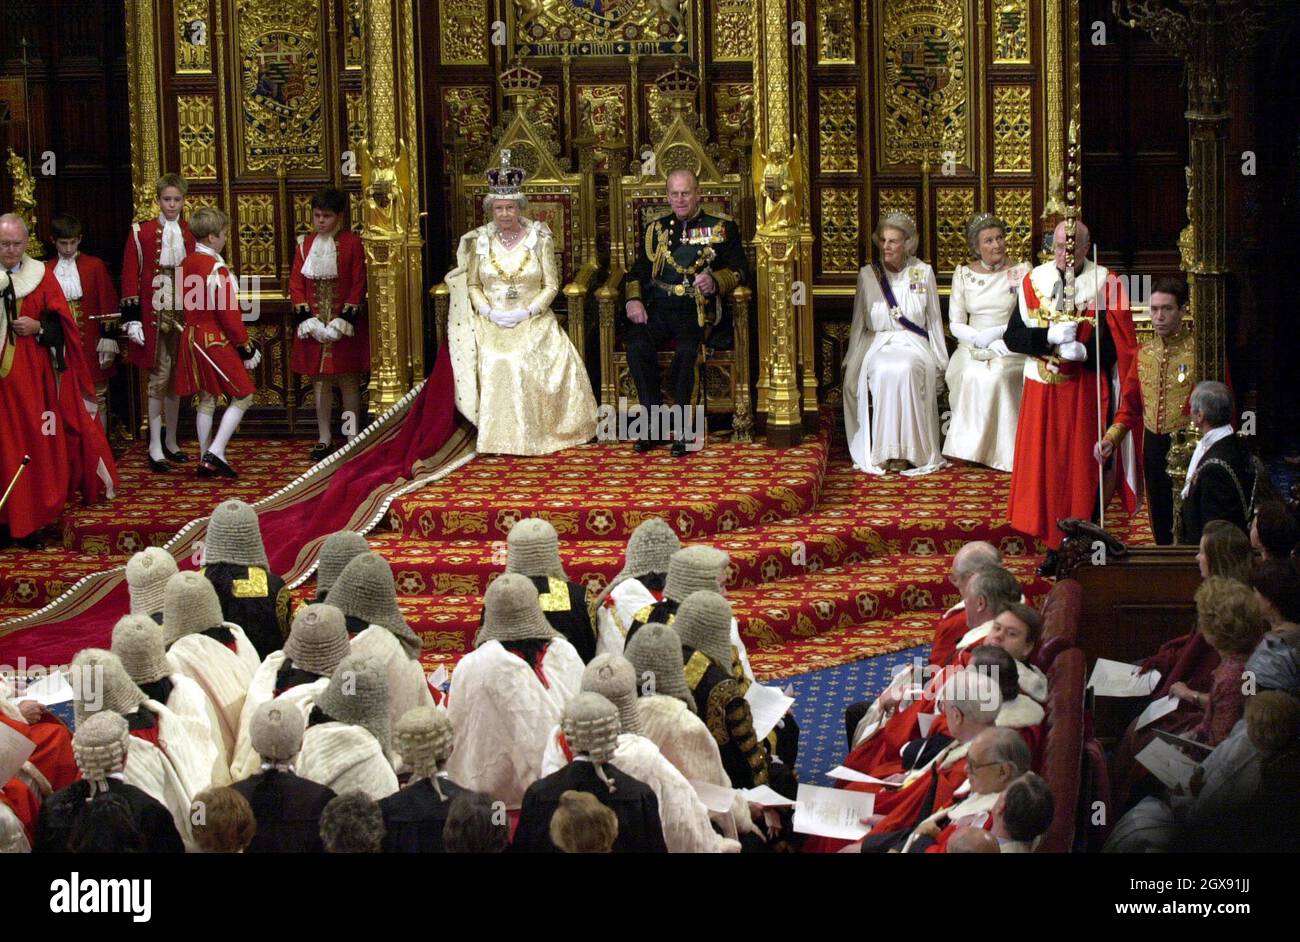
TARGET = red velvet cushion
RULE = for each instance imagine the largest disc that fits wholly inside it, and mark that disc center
(1064, 751)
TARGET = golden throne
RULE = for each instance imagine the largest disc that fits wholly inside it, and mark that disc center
(564, 201)
(638, 198)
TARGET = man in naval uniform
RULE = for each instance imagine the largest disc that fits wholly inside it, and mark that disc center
(686, 259)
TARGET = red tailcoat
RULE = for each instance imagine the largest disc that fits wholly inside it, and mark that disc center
(1055, 475)
(213, 325)
(947, 632)
(97, 297)
(43, 414)
(139, 267)
(350, 354)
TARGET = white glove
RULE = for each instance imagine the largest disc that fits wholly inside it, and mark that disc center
(330, 335)
(999, 347)
(518, 316)
(485, 310)
(251, 364)
(340, 327)
(107, 350)
(307, 328)
(964, 333)
(988, 336)
(1074, 351)
(499, 318)
(135, 332)
(1064, 332)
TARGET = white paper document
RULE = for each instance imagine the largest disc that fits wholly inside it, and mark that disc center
(51, 689)
(715, 797)
(1167, 763)
(1117, 679)
(768, 705)
(766, 797)
(14, 750)
(1156, 709)
(832, 812)
(845, 774)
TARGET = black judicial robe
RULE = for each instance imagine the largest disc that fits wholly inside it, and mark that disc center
(254, 599)
(415, 816)
(287, 809)
(639, 829)
(64, 810)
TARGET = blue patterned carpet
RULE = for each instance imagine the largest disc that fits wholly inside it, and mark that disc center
(820, 699)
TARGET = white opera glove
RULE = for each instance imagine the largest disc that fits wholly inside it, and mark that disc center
(1000, 347)
(1062, 333)
(988, 336)
(499, 318)
(135, 332)
(108, 350)
(251, 364)
(534, 309)
(511, 318)
(964, 333)
(1074, 351)
(485, 310)
(340, 327)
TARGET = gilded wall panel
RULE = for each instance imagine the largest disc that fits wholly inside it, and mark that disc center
(953, 208)
(256, 217)
(1011, 32)
(608, 28)
(896, 200)
(193, 37)
(840, 230)
(464, 32)
(834, 337)
(923, 88)
(354, 213)
(659, 108)
(837, 128)
(733, 113)
(196, 201)
(733, 30)
(280, 93)
(468, 110)
(301, 214)
(354, 35)
(546, 108)
(602, 114)
(835, 44)
(356, 110)
(1013, 139)
(196, 131)
(1015, 206)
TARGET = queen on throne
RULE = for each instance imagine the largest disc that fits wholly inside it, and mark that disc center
(518, 376)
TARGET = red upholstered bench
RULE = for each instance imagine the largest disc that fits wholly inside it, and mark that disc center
(1061, 612)
(1064, 750)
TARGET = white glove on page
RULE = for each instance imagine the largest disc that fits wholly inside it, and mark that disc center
(1064, 332)
(1074, 351)
(135, 332)
(340, 327)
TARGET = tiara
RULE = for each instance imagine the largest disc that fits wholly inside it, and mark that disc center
(505, 181)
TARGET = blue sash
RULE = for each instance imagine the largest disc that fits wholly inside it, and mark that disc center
(888, 292)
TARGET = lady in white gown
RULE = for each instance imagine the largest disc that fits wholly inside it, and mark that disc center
(518, 376)
(985, 379)
(896, 358)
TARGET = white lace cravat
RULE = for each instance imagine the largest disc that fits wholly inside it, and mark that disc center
(323, 259)
(173, 243)
(65, 270)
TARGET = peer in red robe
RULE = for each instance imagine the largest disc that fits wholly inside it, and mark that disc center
(44, 387)
(327, 287)
(151, 311)
(1055, 474)
(214, 354)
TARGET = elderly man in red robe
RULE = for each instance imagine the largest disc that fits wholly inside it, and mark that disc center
(46, 397)
(1060, 444)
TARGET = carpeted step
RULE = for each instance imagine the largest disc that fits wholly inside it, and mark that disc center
(35, 578)
(603, 491)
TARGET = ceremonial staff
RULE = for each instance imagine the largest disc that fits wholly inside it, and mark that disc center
(1100, 303)
(13, 482)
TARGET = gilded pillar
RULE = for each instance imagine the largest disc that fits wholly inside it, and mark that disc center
(389, 162)
(142, 67)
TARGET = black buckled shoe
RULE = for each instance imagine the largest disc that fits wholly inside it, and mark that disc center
(642, 445)
(159, 467)
(321, 451)
(177, 457)
(212, 464)
(679, 449)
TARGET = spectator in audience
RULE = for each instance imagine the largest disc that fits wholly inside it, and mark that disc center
(223, 821)
(1277, 583)
(286, 807)
(101, 745)
(1024, 812)
(582, 825)
(687, 828)
(953, 626)
(591, 727)
(296, 675)
(415, 817)
(234, 561)
(51, 757)
(147, 573)
(1274, 532)
(337, 551)
(476, 825)
(638, 584)
(346, 744)
(509, 692)
(967, 840)
(365, 589)
(213, 652)
(533, 551)
(138, 642)
(1221, 476)
(352, 824)
(1019, 711)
